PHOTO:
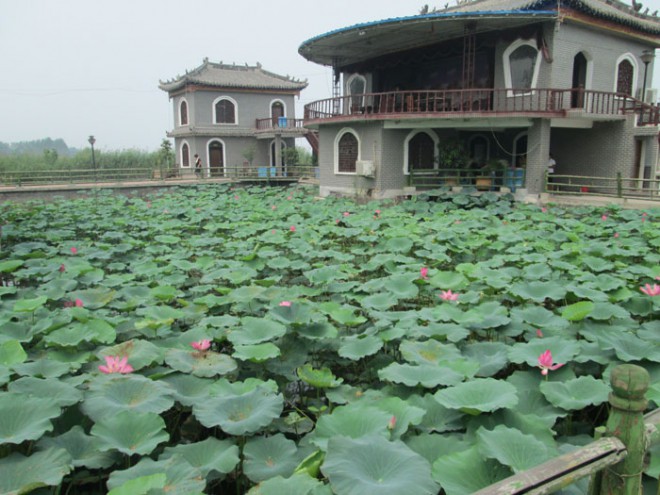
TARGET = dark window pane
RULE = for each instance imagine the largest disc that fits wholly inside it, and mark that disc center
(347, 153)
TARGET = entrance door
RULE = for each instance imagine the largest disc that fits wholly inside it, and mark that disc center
(276, 111)
(579, 80)
(216, 159)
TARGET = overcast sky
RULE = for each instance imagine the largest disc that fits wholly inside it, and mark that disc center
(71, 68)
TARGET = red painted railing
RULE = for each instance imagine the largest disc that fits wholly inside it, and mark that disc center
(542, 101)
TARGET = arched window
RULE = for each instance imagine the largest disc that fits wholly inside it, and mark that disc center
(277, 110)
(625, 76)
(521, 67)
(421, 150)
(224, 111)
(183, 112)
(347, 152)
(185, 155)
(479, 149)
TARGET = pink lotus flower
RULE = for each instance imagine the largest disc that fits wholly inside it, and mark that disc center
(447, 295)
(74, 250)
(292, 228)
(544, 210)
(286, 304)
(424, 272)
(346, 214)
(201, 345)
(79, 303)
(62, 268)
(289, 198)
(113, 364)
(616, 235)
(539, 333)
(377, 212)
(273, 207)
(545, 363)
(604, 217)
(236, 197)
(651, 290)
(391, 424)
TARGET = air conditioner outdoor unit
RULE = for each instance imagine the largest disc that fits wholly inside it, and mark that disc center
(365, 168)
(651, 96)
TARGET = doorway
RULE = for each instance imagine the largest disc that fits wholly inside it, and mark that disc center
(216, 159)
(579, 80)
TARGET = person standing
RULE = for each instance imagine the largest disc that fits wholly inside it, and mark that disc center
(198, 166)
(551, 170)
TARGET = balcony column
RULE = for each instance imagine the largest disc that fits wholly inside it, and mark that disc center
(278, 155)
(538, 153)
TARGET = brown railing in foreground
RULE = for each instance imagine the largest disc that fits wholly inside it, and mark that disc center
(483, 101)
(615, 462)
(126, 175)
(618, 186)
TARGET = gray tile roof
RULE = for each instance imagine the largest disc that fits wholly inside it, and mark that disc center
(613, 10)
(233, 76)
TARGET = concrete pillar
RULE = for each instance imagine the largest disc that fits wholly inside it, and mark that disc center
(538, 153)
(278, 155)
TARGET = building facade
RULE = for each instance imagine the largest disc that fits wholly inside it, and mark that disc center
(233, 117)
(506, 82)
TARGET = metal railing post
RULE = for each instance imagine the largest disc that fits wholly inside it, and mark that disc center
(626, 422)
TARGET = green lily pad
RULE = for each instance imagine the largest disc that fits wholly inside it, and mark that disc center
(130, 432)
(467, 471)
(354, 421)
(267, 457)
(91, 331)
(357, 347)
(426, 375)
(373, 464)
(212, 457)
(257, 353)
(319, 378)
(512, 448)
(82, 448)
(576, 394)
(25, 418)
(20, 474)
(479, 395)
(29, 305)
(240, 414)
(204, 364)
(141, 486)
(538, 291)
(12, 353)
(300, 484)
(62, 393)
(255, 331)
(578, 311)
(10, 266)
(181, 477)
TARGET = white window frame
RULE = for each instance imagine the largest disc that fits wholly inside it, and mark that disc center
(507, 66)
(406, 148)
(338, 137)
(277, 100)
(181, 102)
(216, 101)
(184, 142)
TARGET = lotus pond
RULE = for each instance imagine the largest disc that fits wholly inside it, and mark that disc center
(262, 341)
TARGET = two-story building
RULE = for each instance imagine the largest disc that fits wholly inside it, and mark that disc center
(233, 116)
(489, 81)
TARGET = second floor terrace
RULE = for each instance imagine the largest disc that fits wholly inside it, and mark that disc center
(452, 105)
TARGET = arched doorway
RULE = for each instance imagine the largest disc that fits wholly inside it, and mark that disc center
(216, 159)
(519, 158)
(579, 80)
(277, 111)
(421, 152)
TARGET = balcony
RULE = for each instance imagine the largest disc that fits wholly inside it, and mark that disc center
(479, 103)
(286, 126)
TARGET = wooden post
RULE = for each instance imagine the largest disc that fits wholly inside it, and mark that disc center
(626, 422)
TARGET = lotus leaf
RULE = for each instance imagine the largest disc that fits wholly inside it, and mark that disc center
(82, 448)
(240, 414)
(130, 432)
(426, 375)
(319, 378)
(91, 331)
(29, 305)
(380, 302)
(257, 353)
(563, 351)
(108, 395)
(354, 421)
(209, 456)
(491, 357)
(203, 364)
(299, 484)
(577, 393)
(12, 353)
(267, 457)
(317, 331)
(448, 280)
(428, 352)
(359, 346)
(59, 392)
(19, 474)
(255, 331)
(42, 368)
(23, 417)
(467, 471)
(298, 313)
(512, 448)
(479, 395)
(181, 477)
(10, 266)
(372, 464)
(578, 311)
(141, 486)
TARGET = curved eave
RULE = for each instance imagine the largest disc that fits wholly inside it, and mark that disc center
(368, 40)
(179, 85)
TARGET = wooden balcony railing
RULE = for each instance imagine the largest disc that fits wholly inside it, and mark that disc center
(447, 103)
(274, 123)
